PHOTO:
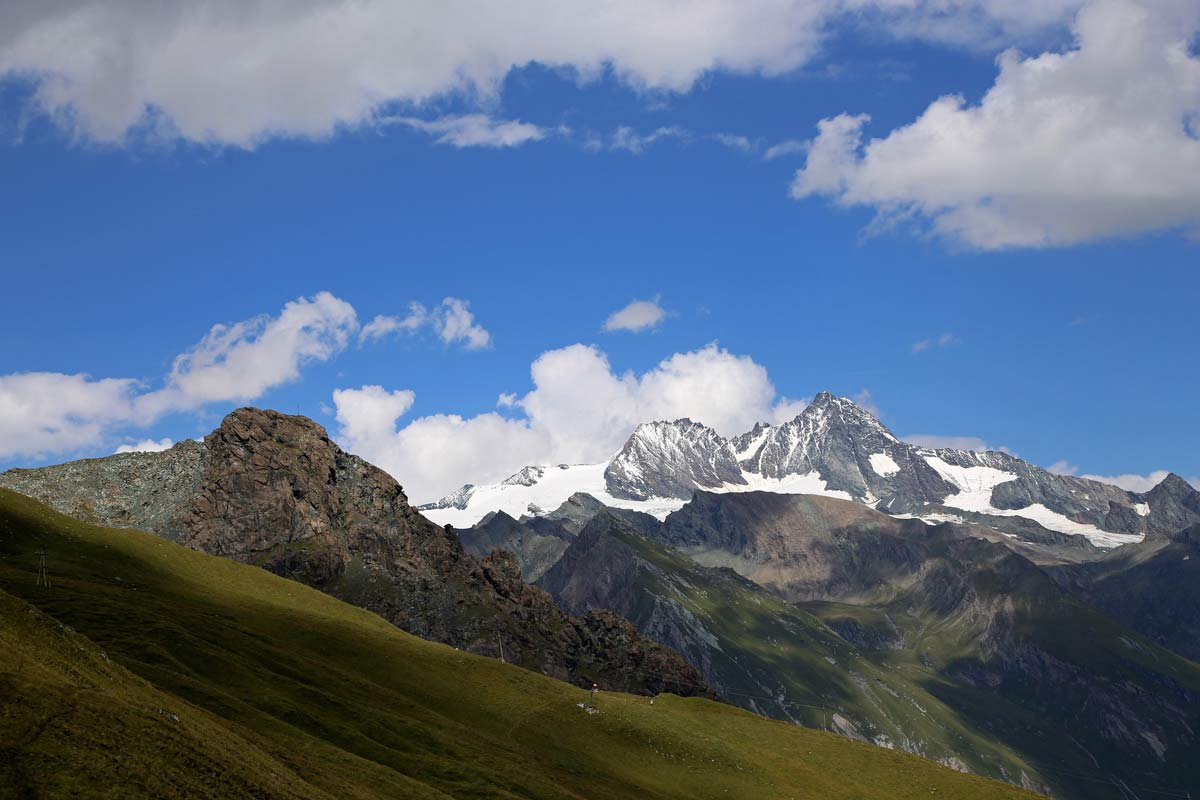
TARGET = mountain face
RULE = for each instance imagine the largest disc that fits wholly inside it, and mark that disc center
(1005, 654)
(847, 448)
(150, 671)
(803, 547)
(535, 550)
(670, 459)
(1153, 587)
(837, 449)
(273, 490)
(791, 667)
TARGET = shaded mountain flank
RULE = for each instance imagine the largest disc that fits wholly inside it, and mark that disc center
(927, 638)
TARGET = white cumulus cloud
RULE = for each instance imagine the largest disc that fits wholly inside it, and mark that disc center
(638, 316)
(1066, 147)
(579, 411)
(243, 360)
(49, 412)
(43, 413)
(236, 73)
(145, 446)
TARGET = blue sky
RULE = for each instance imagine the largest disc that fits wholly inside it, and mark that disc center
(966, 288)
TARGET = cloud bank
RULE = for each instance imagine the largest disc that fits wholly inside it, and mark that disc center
(579, 411)
(237, 73)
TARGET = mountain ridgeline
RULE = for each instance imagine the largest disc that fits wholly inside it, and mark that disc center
(834, 447)
(273, 490)
(967, 607)
(150, 670)
(942, 640)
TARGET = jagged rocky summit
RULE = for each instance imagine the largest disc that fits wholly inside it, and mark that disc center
(272, 489)
(837, 449)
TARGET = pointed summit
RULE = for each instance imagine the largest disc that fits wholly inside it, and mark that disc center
(825, 398)
(1171, 506)
(1172, 486)
(842, 411)
(672, 459)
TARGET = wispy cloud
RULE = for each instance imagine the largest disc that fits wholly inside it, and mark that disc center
(474, 130)
(934, 342)
(867, 403)
(639, 315)
(734, 141)
(936, 442)
(451, 320)
(786, 148)
(626, 138)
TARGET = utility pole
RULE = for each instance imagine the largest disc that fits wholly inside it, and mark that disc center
(500, 642)
(43, 578)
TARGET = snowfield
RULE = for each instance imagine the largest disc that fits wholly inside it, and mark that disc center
(883, 464)
(803, 456)
(539, 490)
(558, 483)
(975, 485)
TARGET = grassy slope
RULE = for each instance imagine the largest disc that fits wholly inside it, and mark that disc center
(768, 645)
(281, 691)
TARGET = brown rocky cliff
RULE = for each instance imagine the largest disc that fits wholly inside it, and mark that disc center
(274, 490)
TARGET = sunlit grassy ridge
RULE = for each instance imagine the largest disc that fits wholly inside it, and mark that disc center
(185, 675)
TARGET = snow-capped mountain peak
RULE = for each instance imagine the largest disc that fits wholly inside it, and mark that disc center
(672, 459)
(834, 447)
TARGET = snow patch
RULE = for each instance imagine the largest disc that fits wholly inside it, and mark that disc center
(883, 464)
(808, 483)
(552, 488)
(975, 485)
(753, 445)
(1142, 509)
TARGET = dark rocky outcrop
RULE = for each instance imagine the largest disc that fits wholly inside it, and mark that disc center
(273, 490)
(535, 550)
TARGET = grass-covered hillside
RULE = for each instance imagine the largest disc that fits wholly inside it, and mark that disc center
(766, 654)
(150, 670)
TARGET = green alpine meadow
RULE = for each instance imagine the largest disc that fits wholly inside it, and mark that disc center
(149, 670)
